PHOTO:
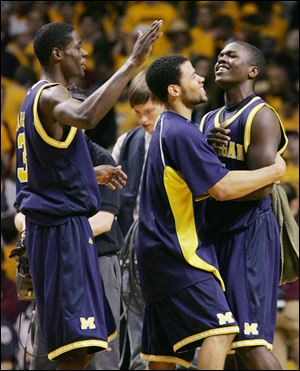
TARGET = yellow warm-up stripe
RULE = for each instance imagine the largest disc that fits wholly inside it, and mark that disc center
(181, 202)
(39, 127)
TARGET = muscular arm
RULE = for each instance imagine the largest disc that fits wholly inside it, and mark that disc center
(265, 140)
(236, 184)
(57, 106)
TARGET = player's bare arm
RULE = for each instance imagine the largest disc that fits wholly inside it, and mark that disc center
(57, 104)
(236, 184)
(264, 144)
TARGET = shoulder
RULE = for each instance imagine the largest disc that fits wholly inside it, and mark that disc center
(266, 117)
(51, 96)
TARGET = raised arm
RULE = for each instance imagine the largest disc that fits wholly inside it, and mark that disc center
(57, 101)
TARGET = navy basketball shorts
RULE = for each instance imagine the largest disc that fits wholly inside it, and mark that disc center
(72, 307)
(174, 326)
(249, 262)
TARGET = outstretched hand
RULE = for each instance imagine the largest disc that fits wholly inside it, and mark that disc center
(218, 138)
(111, 176)
(143, 45)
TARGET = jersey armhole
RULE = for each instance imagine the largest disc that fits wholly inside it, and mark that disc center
(40, 129)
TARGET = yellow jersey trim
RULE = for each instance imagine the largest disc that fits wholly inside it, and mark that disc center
(227, 122)
(248, 126)
(112, 336)
(247, 130)
(34, 85)
(166, 359)
(202, 197)
(251, 343)
(206, 334)
(39, 127)
(181, 202)
(201, 126)
(78, 344)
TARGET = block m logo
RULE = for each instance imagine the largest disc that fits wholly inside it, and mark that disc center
(250, 328)
(87, 323)
(225, 318)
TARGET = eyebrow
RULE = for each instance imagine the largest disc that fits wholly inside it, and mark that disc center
(227, 52)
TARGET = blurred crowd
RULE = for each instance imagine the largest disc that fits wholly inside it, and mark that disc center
(108, 30)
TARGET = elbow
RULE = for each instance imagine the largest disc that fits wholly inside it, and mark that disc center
(85, 119)
(222, 195)
(87, 122)
(220, 192)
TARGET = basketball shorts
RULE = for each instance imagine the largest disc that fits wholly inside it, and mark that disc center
(174, 326)
(249, 262)
(72, 307)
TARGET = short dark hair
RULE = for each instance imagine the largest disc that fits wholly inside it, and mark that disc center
(163, 72)
(256, 56)
(139, 92)
(49, 36)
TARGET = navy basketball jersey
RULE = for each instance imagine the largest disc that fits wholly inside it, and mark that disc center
(232, 215)
(54, 179)
(174, 249)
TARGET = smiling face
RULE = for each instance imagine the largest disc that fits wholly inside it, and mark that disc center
(233, 66)
(74, 59)
(192, 86)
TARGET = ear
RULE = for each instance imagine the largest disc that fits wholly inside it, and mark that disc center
(253, 72)
(56, 54)
(174, 90)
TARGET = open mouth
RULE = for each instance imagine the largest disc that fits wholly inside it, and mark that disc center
(222, 68)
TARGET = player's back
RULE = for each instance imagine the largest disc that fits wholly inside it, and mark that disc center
(54, 178)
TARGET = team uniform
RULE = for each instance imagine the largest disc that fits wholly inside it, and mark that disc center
(57, 191)
(246, 235)
(179, 275)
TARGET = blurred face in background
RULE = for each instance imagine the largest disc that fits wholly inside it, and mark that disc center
(147, 114)
(278, 80)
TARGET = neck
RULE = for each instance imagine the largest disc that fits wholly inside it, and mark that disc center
(54, 75)
(181, 109)
(236, 94)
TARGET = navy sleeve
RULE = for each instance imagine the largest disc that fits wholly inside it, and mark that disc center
(188, 152)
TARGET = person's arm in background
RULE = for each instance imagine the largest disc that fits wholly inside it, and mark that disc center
(103, 220)
(20, 222)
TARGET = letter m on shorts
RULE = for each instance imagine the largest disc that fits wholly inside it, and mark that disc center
(87, 323)
(225, 318)
(250, 328)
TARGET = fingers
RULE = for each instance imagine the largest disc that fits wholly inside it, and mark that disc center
(153, 32)
(118, 179)
(218, 138)
(121, 173)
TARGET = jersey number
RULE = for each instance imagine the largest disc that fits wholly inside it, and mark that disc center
(22, 172)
